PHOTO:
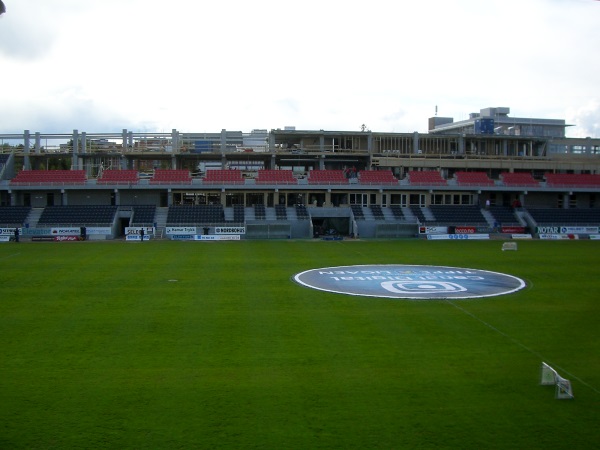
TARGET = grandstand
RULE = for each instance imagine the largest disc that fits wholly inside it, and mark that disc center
(327, 177)
(218, 176)
(111, 176)
(51, 177)
(267, 176)
(377, 177)
(572, 180)
(11, 216)
(518, 179)
(426, 178)
(195, 215)
(164, 176)
(473, 179)
(80, 215)
(376, 184)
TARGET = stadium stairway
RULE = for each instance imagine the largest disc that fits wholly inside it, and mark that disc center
(428, 214)
(489, 218)
(388, 214)
(368, 213)
(160, 218)
(408, 214)
(249, 213)
(270, 214)
(228, 214)
(34, 216)
(291, 213)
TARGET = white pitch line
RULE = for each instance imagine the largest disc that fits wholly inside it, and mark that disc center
(523, 346)
(10, 256)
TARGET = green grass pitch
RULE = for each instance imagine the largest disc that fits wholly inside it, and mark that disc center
(100, 348)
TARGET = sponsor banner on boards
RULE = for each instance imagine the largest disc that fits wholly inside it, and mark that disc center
(462, 237)
(522, 236)
(579, 230)
(181, 230)
(4, 238)
(558, 236)
(98, 230)
(66, 231)
(37, 231)
(9, 231)
(512, 230)
(433, 230)
(465, 230)
(217, 237)
(71, 231)
(182, 237)
(230, 230)
(134, 231)
(137, 237)
(567, 230)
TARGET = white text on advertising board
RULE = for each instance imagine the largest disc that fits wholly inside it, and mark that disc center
(230, 230)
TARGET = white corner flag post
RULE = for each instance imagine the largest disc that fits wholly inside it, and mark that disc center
(549, 377)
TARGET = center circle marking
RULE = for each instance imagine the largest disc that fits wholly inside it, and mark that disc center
(412, 282)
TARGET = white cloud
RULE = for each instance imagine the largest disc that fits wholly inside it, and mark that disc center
(587, 118)
(204, 66)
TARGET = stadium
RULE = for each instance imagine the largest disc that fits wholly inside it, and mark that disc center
(301, 289)
(490, 174)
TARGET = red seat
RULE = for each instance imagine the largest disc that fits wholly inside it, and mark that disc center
(268, 176)
(327, 177)
(50, 177)
(426, 178)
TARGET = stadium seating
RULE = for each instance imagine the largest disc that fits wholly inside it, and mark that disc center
(52, 177)
(239, 213)
(168, 176)
(384, 177)
(426, 178)
(377, 212)
(358, 212)
(504, 215)
(220, 176)
(78, 215)
(397, 212)
(111, 176)
(13, 215)
(301, 212)
(268, 176)
(473, 179)
(327, 177)
(143, 214)
(572, 180)
(458, 215)
(418, 213)
(195, 214)
(560, 216)
(281, 212)
(518, 179)
(260, 212)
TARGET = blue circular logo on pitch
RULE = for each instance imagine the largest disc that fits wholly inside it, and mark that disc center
(410, 282)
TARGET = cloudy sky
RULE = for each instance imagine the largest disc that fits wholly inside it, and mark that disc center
(200, 66)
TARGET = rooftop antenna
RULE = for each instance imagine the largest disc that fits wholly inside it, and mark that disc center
(436, 110)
